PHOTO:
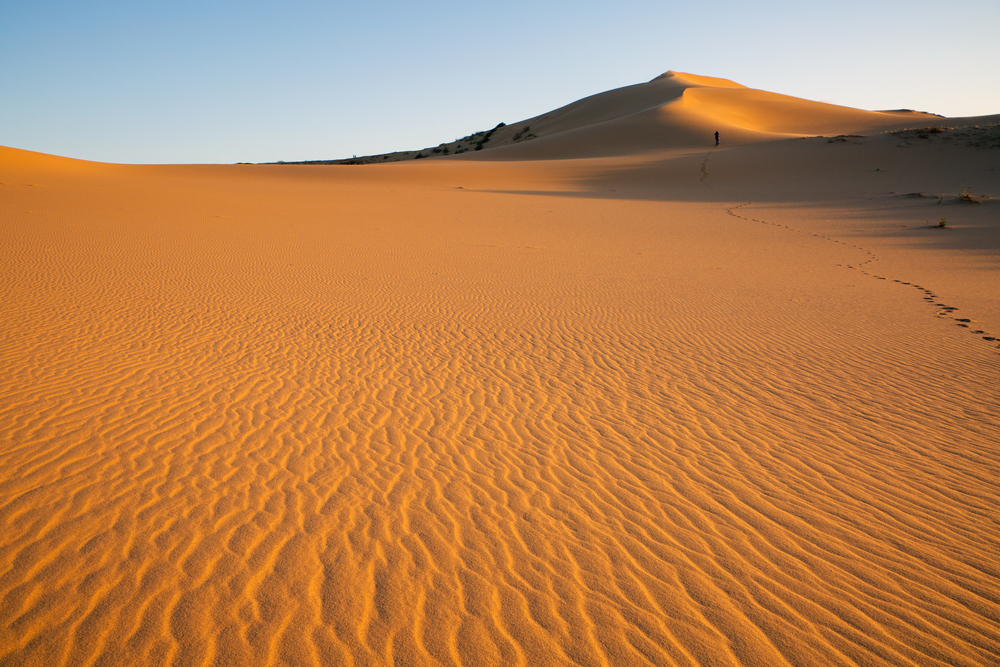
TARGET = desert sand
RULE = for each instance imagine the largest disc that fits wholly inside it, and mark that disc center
(606, 396)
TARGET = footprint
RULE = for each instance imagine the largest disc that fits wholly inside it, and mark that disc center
(930, 296)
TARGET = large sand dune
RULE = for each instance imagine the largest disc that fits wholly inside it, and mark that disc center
(665, 405)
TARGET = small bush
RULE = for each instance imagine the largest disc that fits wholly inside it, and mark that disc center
(966, 197)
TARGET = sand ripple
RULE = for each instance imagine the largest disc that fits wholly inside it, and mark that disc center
(344, 433)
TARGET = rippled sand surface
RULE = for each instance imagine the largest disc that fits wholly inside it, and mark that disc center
(471, 413)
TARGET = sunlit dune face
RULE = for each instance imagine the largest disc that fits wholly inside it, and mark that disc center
(675, 405)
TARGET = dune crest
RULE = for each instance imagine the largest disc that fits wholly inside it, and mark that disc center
(673, 111)
(683, 111)
(696, 80)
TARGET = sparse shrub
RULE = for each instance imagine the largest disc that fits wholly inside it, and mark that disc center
(966, 197)
(943, 223)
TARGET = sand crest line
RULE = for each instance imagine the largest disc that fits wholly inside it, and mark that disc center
(943, 311)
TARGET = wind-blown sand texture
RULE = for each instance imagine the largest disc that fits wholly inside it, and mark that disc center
(610, 396)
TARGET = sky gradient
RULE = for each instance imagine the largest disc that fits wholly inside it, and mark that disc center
(189, 82)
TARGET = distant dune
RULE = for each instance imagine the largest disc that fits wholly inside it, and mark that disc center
(674, 110)
(599, 393)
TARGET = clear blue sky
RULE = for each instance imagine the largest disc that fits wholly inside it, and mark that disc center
(212, 81)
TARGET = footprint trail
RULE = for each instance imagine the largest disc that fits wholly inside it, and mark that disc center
(943, 311)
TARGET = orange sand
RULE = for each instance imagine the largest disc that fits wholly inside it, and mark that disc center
(626, 404)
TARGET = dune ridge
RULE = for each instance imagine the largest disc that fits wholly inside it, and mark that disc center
(701, 408)
(680, 110)
(674, 110)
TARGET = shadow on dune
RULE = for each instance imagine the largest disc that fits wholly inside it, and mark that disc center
(799, 170)
(865, 179)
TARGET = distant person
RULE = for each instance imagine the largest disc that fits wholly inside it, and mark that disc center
(716, 137)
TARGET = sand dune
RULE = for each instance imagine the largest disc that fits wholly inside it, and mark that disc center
(670, 406)
(681, 110)
(672, 111)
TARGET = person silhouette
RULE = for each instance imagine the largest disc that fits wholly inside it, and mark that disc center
(716, 138)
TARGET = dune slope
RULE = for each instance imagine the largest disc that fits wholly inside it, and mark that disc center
(714, 407)
(674, 110)
(683, 110)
